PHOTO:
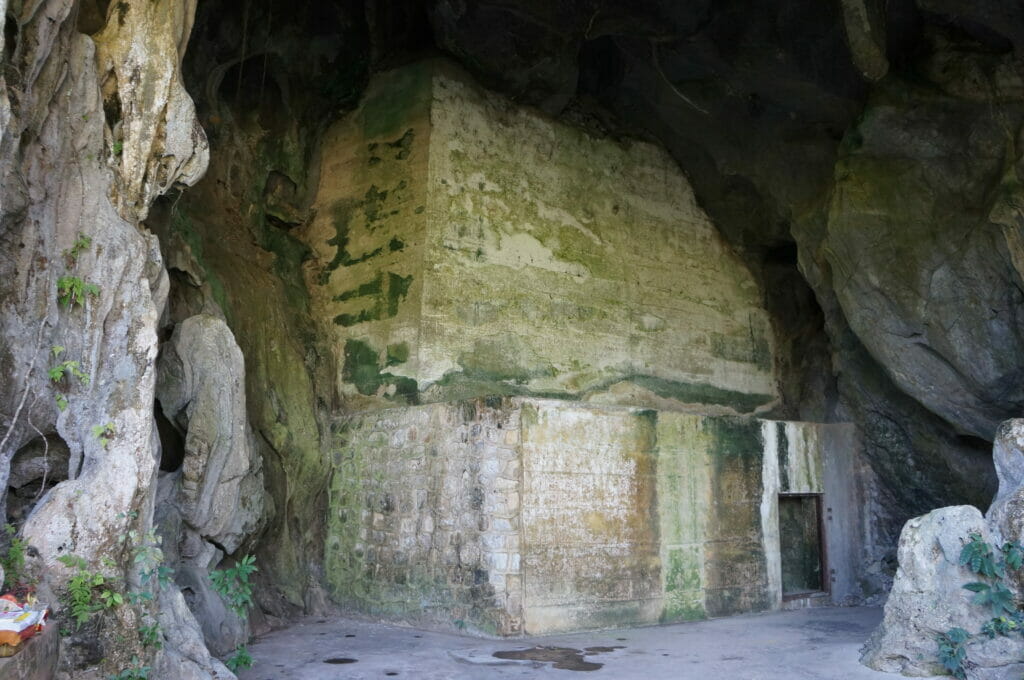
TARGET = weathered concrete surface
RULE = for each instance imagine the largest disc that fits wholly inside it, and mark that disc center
(810, 644)
(516, 514)
(466, 246)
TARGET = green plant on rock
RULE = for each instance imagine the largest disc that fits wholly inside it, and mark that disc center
(71, 291)
(88, 592)
(136, 671)
(240, 659)
(150, 636)
(13, 560)
(81, 244)
(104, 433)
(991, 565)
(149, 557)
(953, 651)
(234, 586)
(65, 368)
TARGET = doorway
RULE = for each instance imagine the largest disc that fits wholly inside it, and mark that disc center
(801, 545)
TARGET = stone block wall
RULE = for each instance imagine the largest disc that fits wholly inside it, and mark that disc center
(424, 514)
(512, 515)
(464, 246)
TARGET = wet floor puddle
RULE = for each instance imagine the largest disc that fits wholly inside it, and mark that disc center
(564, 658)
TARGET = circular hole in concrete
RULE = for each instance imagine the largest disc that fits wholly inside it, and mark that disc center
(349, 635)
(391, 673)
(340, 660)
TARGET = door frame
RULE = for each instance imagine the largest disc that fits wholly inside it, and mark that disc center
(826, 575)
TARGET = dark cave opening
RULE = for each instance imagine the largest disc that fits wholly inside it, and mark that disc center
(172, 442)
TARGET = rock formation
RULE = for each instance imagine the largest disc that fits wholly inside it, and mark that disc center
(928, 598)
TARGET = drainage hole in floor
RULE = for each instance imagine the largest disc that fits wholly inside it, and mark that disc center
(340, 659)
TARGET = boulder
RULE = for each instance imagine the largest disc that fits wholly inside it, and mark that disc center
(928, 598)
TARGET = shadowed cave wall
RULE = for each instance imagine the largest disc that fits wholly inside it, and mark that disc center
(765, 111)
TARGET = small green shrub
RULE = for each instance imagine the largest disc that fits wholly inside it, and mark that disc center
(88, 591)
(991, 565)
(72, 291)
(81, 244)
(13, 561)
(104, 433)
(134, 672)
(68, 367)
(239, 660)
(234, 586)
(149, 636)
(953, 651)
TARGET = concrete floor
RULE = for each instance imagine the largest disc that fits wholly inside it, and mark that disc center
(808, 643)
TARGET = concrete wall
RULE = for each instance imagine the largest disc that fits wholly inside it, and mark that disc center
(465, 246)
(536, 515)
(424, 514)
(815, 458)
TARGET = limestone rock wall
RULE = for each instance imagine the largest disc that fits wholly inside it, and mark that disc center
(92, 129)
(512, 515)
(467, 246)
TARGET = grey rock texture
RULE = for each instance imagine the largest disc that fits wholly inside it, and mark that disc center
(1006, 514)
(215, 500)
(184, 655)
(73, 163)
(923, 276)
(927, 596)
(201, 387)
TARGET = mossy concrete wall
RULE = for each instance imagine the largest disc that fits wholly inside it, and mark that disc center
(513, 515)
(465, 246)
(825, 460)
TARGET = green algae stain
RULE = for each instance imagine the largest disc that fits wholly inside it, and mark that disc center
(398, 290)
(738, 560)
(362, 368)
(373, 287)
(397, 354)
(186, 228)
(701, 393)
(386, 292)
(343, 212)
(735, 441)
(403, 145)
(387, 110)
(373, 205)
(782, 443)
(683, 593)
